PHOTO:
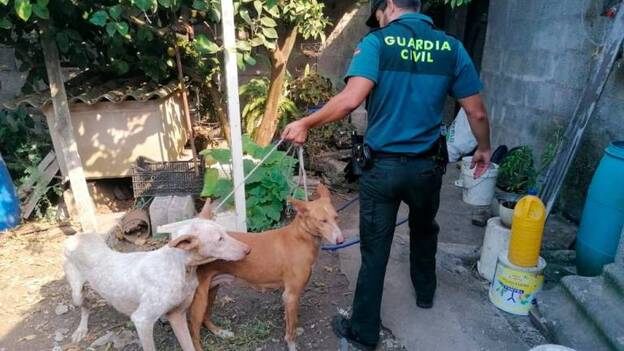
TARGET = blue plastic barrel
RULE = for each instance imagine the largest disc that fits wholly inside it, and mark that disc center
(9, 204)
(603, 216)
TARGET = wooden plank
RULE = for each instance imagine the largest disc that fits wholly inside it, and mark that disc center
(567, 149)
(48, 111)
(40, 189)
(236, 138)
(185, 106)
(65, 139)
(26, 187)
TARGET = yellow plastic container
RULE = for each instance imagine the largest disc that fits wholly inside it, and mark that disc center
(527, 231)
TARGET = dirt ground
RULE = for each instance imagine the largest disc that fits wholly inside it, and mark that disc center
(36, 310)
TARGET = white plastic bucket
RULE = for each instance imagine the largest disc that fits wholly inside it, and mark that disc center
(551, 347)
(465, 163)
(514, 288)
(495, 241)
(480, 191)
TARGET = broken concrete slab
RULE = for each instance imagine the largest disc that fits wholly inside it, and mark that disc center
(158, 211)
(170, 209)
(181, 208)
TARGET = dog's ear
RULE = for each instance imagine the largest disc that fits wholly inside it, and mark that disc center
(300, 206)
(322, 191)
(186, 242)
(206, 212)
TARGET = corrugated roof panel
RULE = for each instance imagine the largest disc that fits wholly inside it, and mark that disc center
(89, 88)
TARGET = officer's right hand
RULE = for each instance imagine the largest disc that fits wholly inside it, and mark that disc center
(296, 132)
(481, 161)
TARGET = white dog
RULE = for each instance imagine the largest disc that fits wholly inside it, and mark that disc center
(148, 285)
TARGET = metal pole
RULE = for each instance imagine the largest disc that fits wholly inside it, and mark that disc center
(231, 79)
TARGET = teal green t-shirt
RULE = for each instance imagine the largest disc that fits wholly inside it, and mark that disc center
(414, 68)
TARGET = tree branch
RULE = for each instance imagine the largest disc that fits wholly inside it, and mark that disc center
(161, 32)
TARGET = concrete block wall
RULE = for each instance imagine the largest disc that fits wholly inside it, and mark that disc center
(538, 57)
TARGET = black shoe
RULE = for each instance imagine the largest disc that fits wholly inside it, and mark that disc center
(424, 302)
(342, 329)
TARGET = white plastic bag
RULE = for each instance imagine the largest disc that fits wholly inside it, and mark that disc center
(460, 140)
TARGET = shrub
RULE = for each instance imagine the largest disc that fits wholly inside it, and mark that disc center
(517, 172)
(266, 190)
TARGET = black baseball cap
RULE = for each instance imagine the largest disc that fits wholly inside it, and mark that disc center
(372, 20)
(375, 5)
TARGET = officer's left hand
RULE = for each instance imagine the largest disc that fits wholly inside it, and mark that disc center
(296, 132)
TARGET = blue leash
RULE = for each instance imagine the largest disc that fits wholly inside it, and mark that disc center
(347, 204)
(356, 240)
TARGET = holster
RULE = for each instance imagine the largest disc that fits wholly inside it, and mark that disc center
(361, 158)
(442, 155)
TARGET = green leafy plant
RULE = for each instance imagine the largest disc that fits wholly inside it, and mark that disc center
(121, 37)
(266, 190)
(24, 141)
(517, 172)
(451, 3)
(255, 92)
(311, 89)
(550, 150)
(138, 37)
(456, 3)
(298, 17)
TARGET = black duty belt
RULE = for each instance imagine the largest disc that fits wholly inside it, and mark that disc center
(427, 154)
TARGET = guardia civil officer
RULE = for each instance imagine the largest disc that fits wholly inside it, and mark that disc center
(405, 68)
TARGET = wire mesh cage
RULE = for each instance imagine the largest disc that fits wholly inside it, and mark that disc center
(167, 178)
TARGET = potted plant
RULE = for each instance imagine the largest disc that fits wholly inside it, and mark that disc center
(517, 173)
(506, 211)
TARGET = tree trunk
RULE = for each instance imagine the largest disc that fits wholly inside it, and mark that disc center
(279, 63)
(220, 109)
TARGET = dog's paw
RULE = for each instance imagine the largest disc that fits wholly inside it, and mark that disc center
(292, 346)
(225, 334)
(79, 334)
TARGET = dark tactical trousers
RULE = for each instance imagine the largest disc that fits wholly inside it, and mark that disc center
(390, 181)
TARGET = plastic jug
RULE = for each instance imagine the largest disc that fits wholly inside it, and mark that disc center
(527, 230)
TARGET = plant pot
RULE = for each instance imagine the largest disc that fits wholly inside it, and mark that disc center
(506, 211)
(501, 196)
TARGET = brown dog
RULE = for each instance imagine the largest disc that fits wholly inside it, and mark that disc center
(279, 259)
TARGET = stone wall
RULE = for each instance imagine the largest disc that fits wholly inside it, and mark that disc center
(537, 60)
(341, 43)
(11, 80)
